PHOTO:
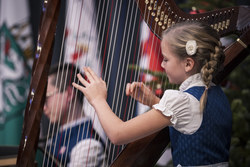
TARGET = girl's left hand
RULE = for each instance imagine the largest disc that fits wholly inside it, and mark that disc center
(141, 93)
(94, 88)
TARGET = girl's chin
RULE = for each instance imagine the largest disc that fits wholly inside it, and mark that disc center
(170, 81)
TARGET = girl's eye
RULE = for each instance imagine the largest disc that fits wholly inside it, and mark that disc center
(165, 60)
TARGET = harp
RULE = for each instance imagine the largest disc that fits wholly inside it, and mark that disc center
(159, 15)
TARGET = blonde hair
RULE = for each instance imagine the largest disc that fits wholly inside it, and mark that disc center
(209, 56)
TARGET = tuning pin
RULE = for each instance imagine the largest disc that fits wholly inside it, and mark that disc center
(45, 2)
(25, 141)
(38, 50)
(32, 93)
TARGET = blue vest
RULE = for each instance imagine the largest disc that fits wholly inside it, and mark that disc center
(211, 142)
(67, 139)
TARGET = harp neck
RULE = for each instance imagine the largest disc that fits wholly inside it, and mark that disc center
(161, 14)
(36, 97)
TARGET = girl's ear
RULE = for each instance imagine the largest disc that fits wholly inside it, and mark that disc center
(189, 64)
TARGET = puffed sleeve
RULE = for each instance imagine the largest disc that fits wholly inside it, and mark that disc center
(175, 104)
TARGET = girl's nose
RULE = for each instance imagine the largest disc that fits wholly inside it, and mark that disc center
(162, 64)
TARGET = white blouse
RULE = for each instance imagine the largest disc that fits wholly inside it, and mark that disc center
(183, 108)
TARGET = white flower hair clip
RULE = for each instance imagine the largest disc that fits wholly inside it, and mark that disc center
(191, 47)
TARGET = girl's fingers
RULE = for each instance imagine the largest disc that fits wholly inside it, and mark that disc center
(128, 89)
(135, 86)
(88, 74)
(92, 73)
(82, 80)
(78, 87)
(132, 87)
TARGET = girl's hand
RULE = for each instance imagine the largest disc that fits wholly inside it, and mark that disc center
(141, 93)
(94, 88)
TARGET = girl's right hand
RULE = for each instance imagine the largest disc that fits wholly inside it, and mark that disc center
(94, 88)
(141, 93)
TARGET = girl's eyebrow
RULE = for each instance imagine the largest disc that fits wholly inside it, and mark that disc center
(163, 54)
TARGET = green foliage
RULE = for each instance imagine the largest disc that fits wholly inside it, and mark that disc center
(160, 81)
(239, 95)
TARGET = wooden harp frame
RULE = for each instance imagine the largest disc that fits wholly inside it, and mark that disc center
(159, 15)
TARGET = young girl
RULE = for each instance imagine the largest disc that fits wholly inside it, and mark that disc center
(198, 114)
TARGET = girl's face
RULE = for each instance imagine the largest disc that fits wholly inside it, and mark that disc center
(173, 65)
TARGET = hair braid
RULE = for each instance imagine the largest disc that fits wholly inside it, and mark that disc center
(210, 68)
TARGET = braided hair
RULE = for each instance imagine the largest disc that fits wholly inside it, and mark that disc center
(208, 56)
